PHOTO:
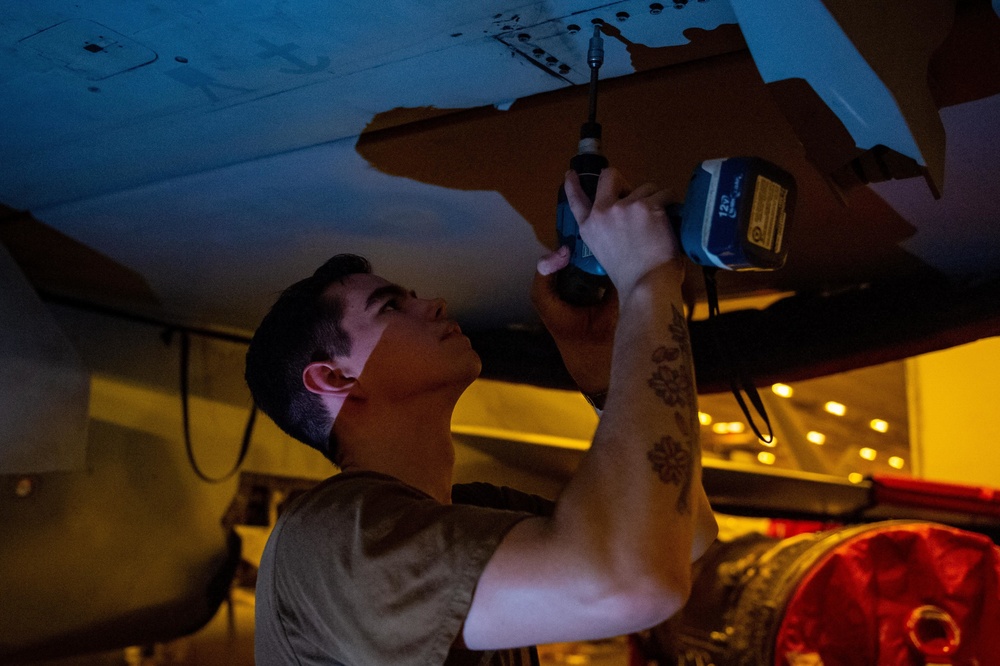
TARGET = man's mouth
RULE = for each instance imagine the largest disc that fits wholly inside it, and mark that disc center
(452, 330)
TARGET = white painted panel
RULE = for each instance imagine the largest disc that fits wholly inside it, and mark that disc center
(252, 229)
(801, 39)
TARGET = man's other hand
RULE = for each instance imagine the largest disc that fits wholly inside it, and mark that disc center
(584, 335)
(627, 229)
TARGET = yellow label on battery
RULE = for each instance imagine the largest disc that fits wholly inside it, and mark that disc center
(767, 217)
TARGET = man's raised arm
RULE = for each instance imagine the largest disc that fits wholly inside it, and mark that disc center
(615, 557)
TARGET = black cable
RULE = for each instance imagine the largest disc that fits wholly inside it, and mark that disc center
(185, 359)
(737, 375)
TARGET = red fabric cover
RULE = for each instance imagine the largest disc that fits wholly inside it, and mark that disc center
(852, 607)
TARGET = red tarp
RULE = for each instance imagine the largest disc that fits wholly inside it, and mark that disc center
(861, 602)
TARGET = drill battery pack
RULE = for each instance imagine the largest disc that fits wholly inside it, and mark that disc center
(736, 214)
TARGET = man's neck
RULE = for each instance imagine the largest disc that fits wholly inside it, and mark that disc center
(409, 440)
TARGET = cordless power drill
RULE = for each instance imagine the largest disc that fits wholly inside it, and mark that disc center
(584, 281)
(735, 214)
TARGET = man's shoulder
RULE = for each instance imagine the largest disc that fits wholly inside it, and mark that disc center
(347, 493)
(360, 495)
(339, 571)
(346, 484)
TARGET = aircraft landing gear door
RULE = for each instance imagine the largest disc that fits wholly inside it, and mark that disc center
(46, 388)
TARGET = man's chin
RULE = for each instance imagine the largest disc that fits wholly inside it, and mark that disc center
(474, 369)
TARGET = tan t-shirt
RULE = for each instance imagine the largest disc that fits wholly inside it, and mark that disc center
(364, 570)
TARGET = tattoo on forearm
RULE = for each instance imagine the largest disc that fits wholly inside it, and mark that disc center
(670, 384)
(671, 381)
(679, 331)
(671, 460)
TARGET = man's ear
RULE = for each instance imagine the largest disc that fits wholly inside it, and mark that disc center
(327, 378)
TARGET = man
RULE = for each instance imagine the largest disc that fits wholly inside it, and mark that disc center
(378, 565)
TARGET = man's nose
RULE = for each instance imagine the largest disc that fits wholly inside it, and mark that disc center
(437, 308)
(440, 308)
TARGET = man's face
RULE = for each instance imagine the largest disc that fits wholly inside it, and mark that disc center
(401, 344)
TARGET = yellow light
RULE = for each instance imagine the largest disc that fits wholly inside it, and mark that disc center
(896, 462)
(704, 419)
(817, 438)
(766, 457)
(878, 425)
(854, 477)
(735, 427)
(720, 428)
(868, 454)
(835, 408)
(784, 390)
(773, 443)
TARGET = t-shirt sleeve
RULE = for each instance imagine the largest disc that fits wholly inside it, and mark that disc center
(371, 571)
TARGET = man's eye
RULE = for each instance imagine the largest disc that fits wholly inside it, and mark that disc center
(390, 305)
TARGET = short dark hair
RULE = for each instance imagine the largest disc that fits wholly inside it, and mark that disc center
(303, 326)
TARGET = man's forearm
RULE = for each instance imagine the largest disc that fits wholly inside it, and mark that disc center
(616, 555)
(634, 489)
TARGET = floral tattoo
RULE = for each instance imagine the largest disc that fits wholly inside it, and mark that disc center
(670, 384)
(671, 460)
(673, 384)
